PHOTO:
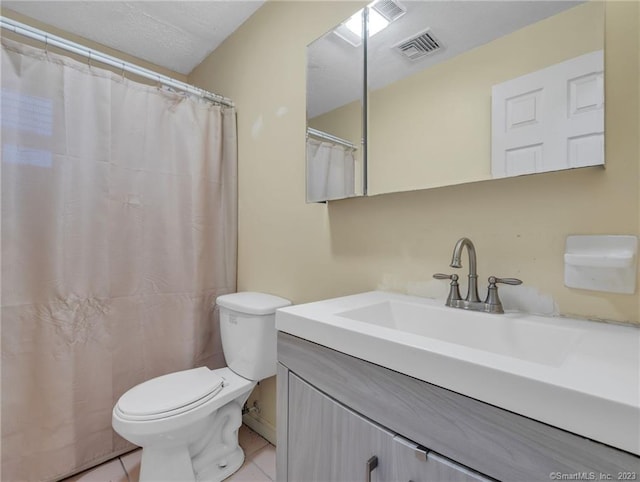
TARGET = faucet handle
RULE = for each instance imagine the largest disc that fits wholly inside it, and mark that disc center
(507, 281)
(493, 303)
(453, 277)
(454, 290)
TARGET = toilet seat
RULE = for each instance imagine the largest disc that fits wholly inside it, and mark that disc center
(169, 395)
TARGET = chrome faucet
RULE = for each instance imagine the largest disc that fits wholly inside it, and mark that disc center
(492, 303)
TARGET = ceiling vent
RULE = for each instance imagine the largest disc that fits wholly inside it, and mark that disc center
(424, 43)
(389, 9)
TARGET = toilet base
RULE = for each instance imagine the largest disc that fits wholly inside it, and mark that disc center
(216, 472)
(176, 466)
(172, 464)
(214, 455)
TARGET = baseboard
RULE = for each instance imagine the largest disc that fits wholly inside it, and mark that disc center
(260, 426)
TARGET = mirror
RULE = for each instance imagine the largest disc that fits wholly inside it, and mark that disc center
(335, 112)
(466, 91)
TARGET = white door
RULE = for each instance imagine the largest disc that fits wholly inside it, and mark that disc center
(550, 119)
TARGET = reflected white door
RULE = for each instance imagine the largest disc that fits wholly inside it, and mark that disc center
(550, 119)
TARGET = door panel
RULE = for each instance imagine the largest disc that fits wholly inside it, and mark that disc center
(550, 119)
(328, 442)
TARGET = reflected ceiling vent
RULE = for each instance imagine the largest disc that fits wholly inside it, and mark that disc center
(421, 45)
(389, 9)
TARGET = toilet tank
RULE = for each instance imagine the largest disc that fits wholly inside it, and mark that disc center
(248, 331)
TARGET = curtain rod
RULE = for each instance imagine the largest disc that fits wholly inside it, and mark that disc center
(49, 39)
(331, 138)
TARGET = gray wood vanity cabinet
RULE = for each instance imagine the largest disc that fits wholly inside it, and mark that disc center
(329, 442)
(339, 415)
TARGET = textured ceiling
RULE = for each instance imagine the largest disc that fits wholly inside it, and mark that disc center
(177, 35)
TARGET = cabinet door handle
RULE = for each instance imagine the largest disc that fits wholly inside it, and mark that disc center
(372, 463)
(419, 451)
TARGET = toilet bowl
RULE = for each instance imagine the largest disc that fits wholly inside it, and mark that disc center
(187, 422)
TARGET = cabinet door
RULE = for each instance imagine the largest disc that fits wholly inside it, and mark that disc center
(416, 464)
(329, 443)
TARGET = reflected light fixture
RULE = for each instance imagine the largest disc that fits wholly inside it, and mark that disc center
(376, 23)
(352, 30)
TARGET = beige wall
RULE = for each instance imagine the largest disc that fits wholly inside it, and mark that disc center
(445, 134)
(307, 252)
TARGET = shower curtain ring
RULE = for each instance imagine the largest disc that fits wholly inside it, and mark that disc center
(123, 71)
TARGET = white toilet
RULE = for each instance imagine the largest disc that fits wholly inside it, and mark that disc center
(187, 422)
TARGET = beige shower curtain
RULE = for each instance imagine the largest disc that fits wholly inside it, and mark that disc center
(119, 228)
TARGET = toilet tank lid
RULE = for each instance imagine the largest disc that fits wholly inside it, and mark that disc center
(252, 303)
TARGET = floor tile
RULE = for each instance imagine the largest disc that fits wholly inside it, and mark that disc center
(249, 472)
(265, 459)
(131, 462)
(250, 441)
(111, 471)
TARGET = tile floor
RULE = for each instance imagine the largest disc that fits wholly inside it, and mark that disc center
(259, 464)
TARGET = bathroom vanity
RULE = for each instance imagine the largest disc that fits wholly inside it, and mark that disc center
(344, 414)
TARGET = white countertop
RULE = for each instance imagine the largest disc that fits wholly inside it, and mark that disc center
(583, 377)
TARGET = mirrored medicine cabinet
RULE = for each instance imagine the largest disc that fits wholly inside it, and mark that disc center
(408, 95)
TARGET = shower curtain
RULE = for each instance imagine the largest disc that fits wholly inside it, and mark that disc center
(330, 171)
(119, 228)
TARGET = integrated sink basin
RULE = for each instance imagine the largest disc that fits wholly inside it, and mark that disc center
(527, 340)
(578, 375)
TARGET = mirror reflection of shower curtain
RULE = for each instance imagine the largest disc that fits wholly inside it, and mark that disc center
(330, 171)
(119, 229)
